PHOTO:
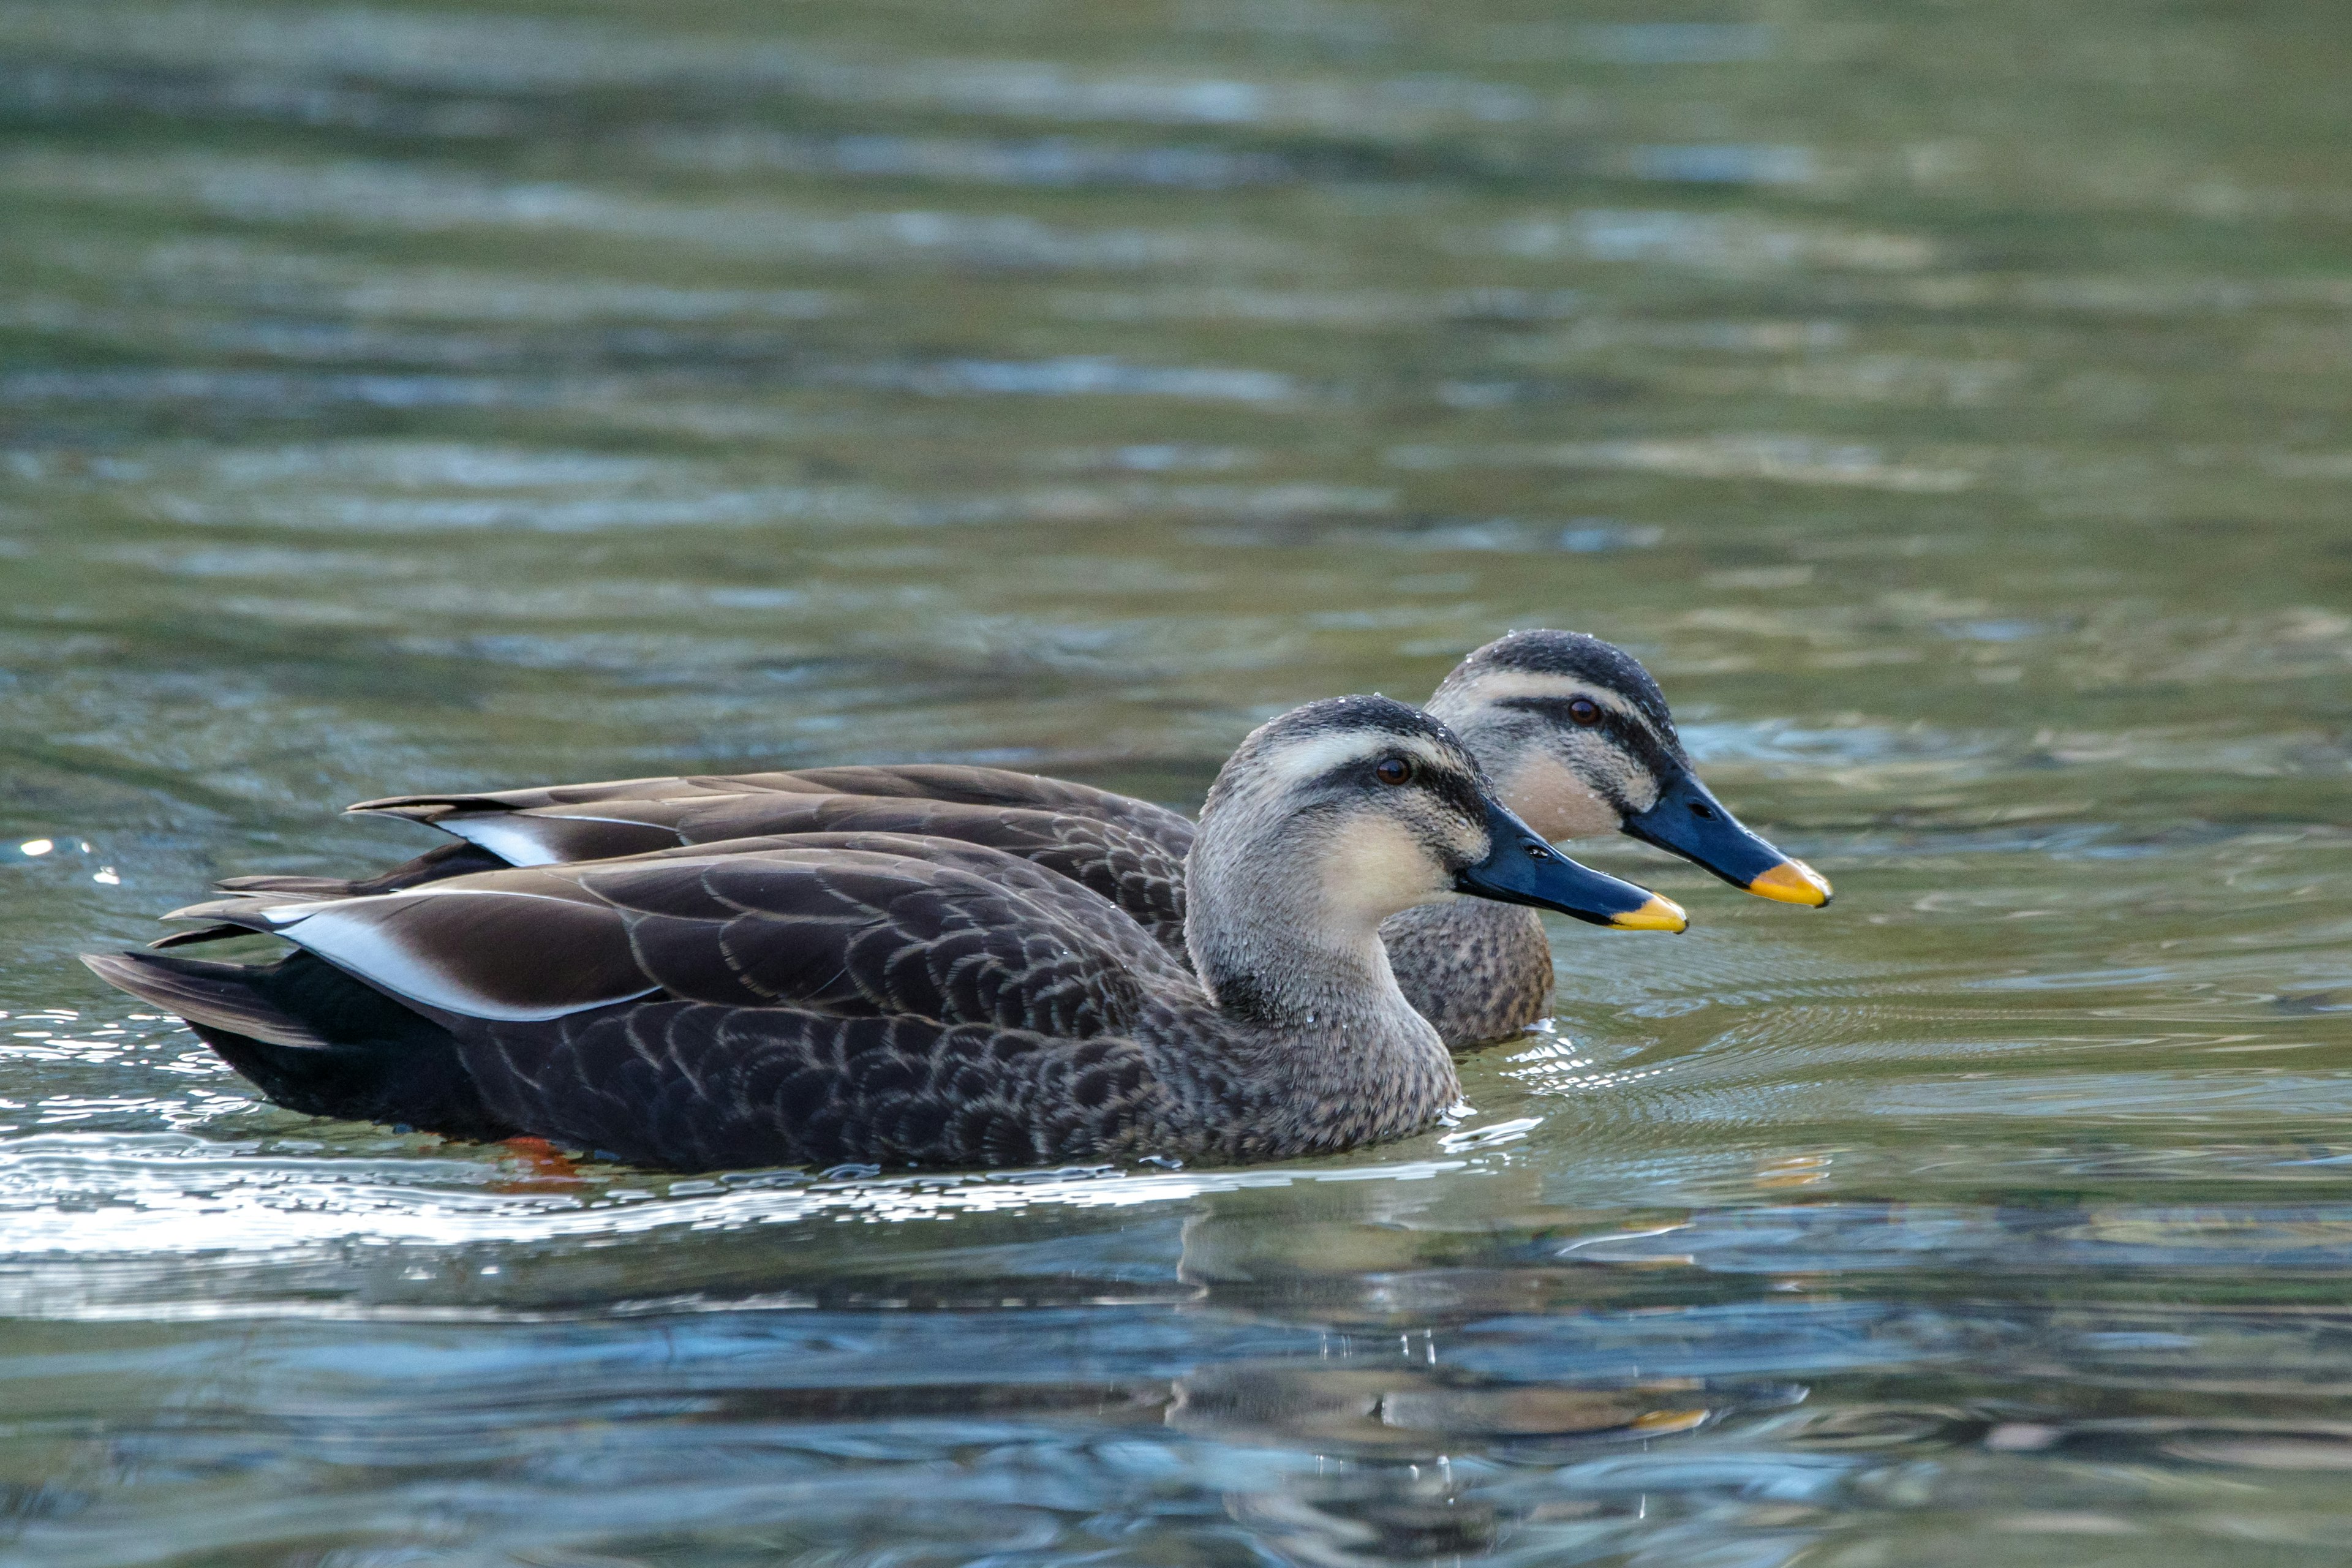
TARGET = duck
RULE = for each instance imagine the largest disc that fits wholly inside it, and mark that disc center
(900, 1000)
(1574, 732)
(1577, 737)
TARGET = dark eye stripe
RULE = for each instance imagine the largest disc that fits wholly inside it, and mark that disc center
(1661, 757)
(1455, 789)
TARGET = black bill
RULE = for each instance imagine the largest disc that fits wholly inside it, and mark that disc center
(1689, 821)
(1521, 869)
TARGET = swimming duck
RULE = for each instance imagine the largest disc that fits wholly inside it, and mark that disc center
(1579, 740)
(1573, 731)
(895, 999)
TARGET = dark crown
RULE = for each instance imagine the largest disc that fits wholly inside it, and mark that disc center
(1577, 656)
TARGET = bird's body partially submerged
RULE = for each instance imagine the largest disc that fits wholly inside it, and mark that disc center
(898, 999)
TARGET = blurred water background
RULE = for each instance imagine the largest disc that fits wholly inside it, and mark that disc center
(1947, 398)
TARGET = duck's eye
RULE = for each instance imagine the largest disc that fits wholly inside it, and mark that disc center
(1393, 770)
(1584, 710)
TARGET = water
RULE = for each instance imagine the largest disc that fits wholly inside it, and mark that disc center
(1947, 400)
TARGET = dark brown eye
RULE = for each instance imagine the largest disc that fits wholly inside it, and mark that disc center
(1584, 710)
(1393, 770)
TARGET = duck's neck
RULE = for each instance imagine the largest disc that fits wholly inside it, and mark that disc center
(1303, 975)
(1264, 971)
(1330, 1054)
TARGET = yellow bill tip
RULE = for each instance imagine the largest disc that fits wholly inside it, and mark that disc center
(1658, 914)
(1792, 882)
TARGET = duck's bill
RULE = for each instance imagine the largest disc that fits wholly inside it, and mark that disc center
(1689, 821)
(1521, 869)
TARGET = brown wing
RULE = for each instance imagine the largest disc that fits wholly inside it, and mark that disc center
(998, 786)
(1107, 858)
(951, 783)
(1131, 868)
(955, 933)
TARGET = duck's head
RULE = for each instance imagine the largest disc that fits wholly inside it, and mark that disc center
(1579, 742)
(1345, 811)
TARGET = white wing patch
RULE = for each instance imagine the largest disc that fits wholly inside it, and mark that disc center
(515, 839)
(479, 952)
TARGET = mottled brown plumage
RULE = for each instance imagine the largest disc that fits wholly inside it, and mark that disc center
(902, 999)
(1142, 874)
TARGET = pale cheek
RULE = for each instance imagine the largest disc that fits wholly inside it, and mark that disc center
(1556, 802)
(1379, 870)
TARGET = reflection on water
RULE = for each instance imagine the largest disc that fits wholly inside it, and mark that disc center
(1946, 401)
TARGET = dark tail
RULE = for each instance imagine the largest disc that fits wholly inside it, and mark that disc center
(313, 1040)
(229, 996)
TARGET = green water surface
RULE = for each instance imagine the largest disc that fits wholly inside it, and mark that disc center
(1950, 400)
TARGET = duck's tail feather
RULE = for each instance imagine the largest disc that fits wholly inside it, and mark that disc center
(221, 996)
(313, 1040)
(295, 887)
(455, 859)
(219, 932)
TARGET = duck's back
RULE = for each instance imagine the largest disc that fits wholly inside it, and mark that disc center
(1134, 871)
(954, 783)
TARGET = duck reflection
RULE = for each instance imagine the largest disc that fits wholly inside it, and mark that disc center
(1415, 1464)
(1360, 1520)
(1385, 1256)
(1398, 1451)
(1414, 1413)
(1358, 1463)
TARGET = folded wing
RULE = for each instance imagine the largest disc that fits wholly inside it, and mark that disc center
(1129, 851)
(951, 783)
(956, 933)
(1129, 868)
